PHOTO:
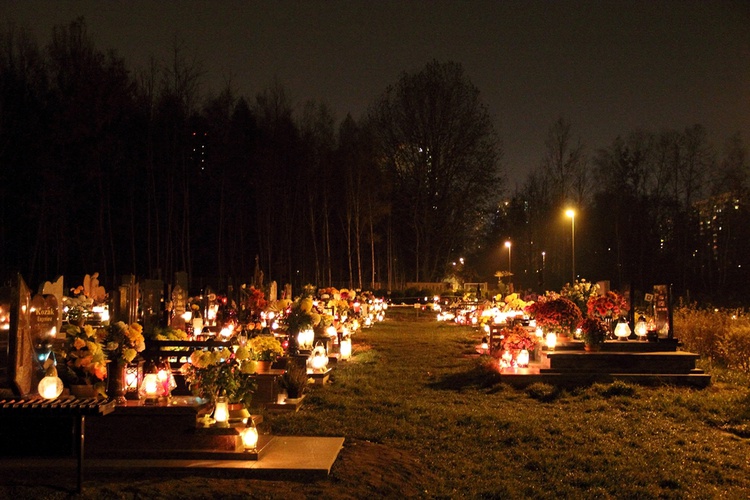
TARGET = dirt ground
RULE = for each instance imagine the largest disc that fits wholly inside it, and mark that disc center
(362, 470)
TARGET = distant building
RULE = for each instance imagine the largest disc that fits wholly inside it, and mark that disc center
(714, 215)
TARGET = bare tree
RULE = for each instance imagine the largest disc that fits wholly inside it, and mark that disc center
(438, 144)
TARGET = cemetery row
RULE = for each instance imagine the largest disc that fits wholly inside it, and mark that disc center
(146, 342)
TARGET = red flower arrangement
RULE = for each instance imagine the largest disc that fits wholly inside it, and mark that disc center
(608, 306)
(556, 313)
(517, 338)
(254, 302)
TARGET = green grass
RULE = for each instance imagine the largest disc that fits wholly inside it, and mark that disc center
(412, 385)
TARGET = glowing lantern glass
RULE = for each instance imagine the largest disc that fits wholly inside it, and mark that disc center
(133, 377)
(250, 436)
(197, 325)
(551, 341)
(318, 359)
(305, 338)
(221, 412)
(523, 358)
(622, 330)
(346, 348)
(641, 329)
(507, 357)
(166, 380)
(150, 388)
(50, 387)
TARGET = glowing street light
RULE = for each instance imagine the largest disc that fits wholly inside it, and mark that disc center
(507, 245)
(510, 268)
(572, 214)
(544, 262)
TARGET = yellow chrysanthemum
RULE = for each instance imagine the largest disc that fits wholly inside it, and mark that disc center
(242, 353)
(93, 347)
(129, 355)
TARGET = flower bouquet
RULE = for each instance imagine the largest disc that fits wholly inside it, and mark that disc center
(557, 313)
(608, 306)
(517, 338)
(579, 293)
(253, 303)
(265, 348)
(123, 342)
(593, 331)
(83, 359)
(210, 374)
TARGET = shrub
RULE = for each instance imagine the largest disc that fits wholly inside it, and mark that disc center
(734, 347)
(543, 392)
(721, 337)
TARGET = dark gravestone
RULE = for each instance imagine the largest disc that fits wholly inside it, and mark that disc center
(16, 347)
(43, 320)
(127, 301)
(152, 303)
(55, 288)
(662, 312)
(179, 306)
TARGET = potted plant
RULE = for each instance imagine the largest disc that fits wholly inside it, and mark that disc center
(122, 343)
(265, 349)
(210, 374)
(593, 332)
(556, 314)
(607, 308)
(516, 339)
(294, 381)
(83, 361)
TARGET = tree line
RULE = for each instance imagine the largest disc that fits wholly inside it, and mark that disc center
(117, 171)
(652, 207)
(122, 172)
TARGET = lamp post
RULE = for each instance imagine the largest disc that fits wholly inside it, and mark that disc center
(572, 214)
(510, 268)
(544, 262)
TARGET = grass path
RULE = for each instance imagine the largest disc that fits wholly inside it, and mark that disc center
(411, 386)
(424, 419)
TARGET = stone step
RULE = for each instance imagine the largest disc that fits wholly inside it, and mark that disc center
(520, 380)
(662, 345)
(621, 362)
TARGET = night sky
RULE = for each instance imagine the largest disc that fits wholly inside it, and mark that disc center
(607, 67)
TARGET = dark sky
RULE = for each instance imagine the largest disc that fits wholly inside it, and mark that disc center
(608, 67)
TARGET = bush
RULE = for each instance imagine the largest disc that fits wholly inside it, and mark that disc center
(734, 348)
(721, 337)
(543, 392)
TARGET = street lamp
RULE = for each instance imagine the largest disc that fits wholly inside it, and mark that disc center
(544, 261)
(510, 268)
(507, 245)
(572, 214)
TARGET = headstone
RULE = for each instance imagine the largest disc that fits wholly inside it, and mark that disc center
(127, 304)
(152, 303)
(55, 289)
(5, 384)
(93, 290)
(16, 348)
(211, 307)
(273, 293)
(662, 311)
(288, 292)
(181, 279)
(43, 319)
(179, 306)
